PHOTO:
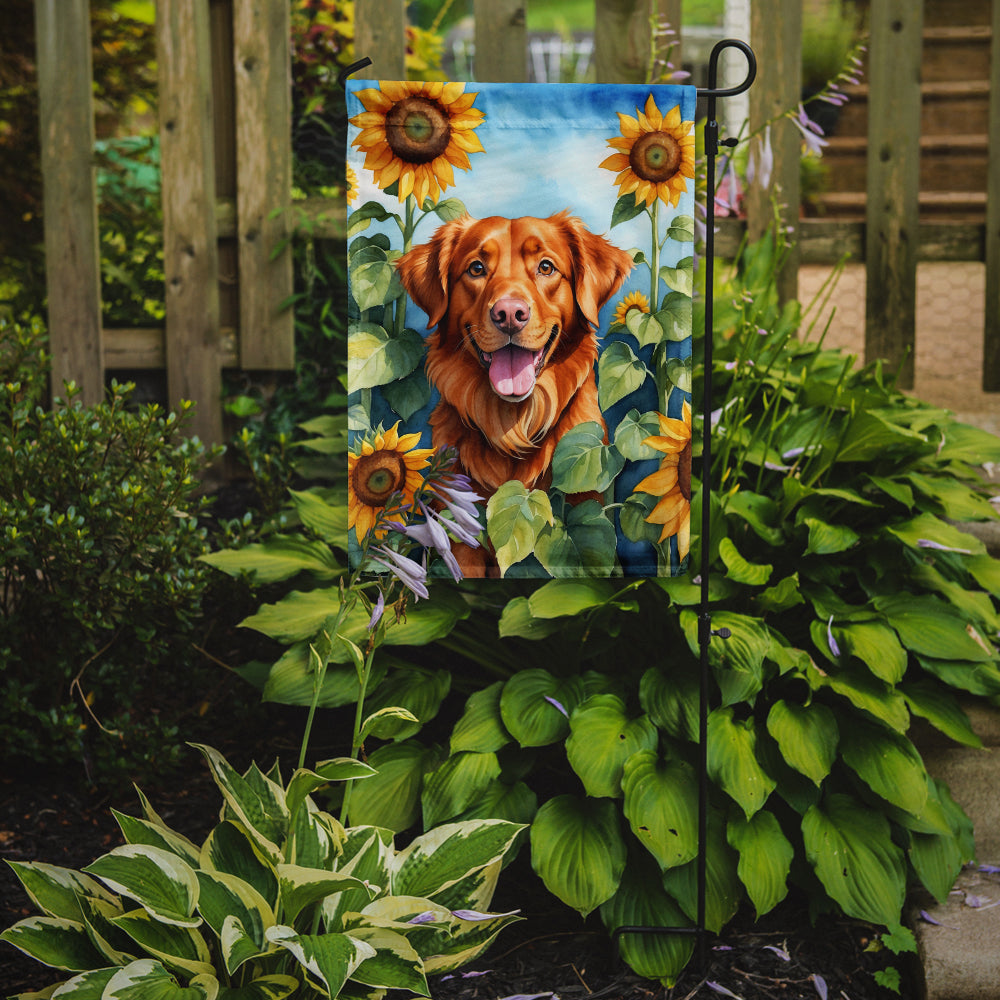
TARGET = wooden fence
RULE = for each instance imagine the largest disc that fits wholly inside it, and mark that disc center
(226, 161)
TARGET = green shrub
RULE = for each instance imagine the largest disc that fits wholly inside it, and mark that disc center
(279, 900)
(101, 584)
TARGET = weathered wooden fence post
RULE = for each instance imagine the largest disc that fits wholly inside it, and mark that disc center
(72, 256)
(776, 35)
(893, 183)
(501, 41)
(262, 62)
(380, 34)
(190, 250)
(991, 332)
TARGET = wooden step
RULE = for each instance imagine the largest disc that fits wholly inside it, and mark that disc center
(947, 162)
(958, 206)
(944, 12)
(947, 107)
(956, 53)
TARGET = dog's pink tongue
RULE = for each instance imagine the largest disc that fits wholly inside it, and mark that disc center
(512, 371)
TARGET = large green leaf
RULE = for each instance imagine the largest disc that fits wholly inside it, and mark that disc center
(641, 901)
(738, 661)
(456, 784)
(515, 516)
(632, 431)
(870, 436)
(55, 941)
(661, 799)
(481, 728)
(602, 738)
(391, 798)
(866, 692)
(888, 763)
(578, 851)
(851, 850)
(330, 959)
(876, 645)
(179, 948)
(930, 627)
(671, 699)
(582, 462)
(924, 528)
(807, 736)
(739, 569)
(940, 707)
(419, 690)
(976, 678)
(732, 760)
(535, 706)
(620, 373)
(163, 884)
(765, 858)
(280, 557)
(583, 544)
(558, 598)
(376, 357)
(723, 889)
(328, 520)
(438, 859)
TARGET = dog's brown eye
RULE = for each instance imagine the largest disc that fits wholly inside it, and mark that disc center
(546, 267)
(477, 269)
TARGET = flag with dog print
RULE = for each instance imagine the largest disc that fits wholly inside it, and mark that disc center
(520, 261)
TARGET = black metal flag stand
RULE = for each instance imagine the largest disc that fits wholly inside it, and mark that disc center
(705, 631)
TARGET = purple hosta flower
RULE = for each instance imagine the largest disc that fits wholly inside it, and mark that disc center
(719, 988)
(820, 983)
(531, 996)
(411, 574)
(558, 705)
(780, 952)
(834, 648)
(427, 917)
(475, 915)
(928, 543)
(811, 132)
(760, 163)
(377, 611)
(989, 869)
(465, 975)
(460, 499)
(431, 535)
(729, 194)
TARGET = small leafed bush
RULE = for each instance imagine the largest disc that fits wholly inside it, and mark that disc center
(99, 575)
(280, 899)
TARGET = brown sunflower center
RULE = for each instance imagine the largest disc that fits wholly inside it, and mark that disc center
(684, 471)
(417, 129)
(378, 476)
(655, 156)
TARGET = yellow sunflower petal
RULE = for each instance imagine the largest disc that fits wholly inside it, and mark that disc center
(660, 483)
(653, 114)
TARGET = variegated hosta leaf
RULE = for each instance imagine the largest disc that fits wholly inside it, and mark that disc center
(642, 902)
(441, 857)
(230, 849)
(177, 947)
(56, 891)
(468, 939)
(367, 854)
(765, 858)
(86, 986)
(141, 831)
(807, 736)
(256, 801)
(301, 887)
(328, 959)
(304, 782)
(475, 891)
(54, 941)
(116, 947)
(578, 851)
(732, 760)
(661, 799)
(851, 849)
(225, 897)
(602, 737)
(315, 838)
(395, 964)
(158, 880)
(149, 980)
(275, 987)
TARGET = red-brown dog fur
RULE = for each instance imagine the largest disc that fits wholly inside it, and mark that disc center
(471, 272)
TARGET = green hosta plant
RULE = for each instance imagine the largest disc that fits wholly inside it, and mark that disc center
(856, 604)
(279, 900)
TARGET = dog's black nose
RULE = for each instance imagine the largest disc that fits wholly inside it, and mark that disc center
(510, 314)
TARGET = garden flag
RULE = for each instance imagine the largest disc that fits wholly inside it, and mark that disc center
(520, 263)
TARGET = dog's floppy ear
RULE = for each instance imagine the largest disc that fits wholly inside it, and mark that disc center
(599, 267)
(424, 269)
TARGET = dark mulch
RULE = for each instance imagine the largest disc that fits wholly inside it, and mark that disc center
(551, 952)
